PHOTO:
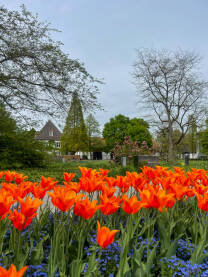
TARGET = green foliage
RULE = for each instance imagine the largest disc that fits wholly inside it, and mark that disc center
(121, 126)
(18, 147)
(92, 125)
(139, 268)
(56, 169)
(97, 144)
(180, 163)
(203, 137)
(115, 130)
(74, 137)
(147, 244)
(137, 130)
(191, 137)
(93, 130)
(7, 123)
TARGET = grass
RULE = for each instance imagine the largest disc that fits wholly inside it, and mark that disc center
(192, 164)
(56, 169)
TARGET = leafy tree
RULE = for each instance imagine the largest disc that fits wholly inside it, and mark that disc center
(35, 75)
(137, 130)
(97, 144)
(7, 123)
(93, 129)
(115, 131)
(203, 138)
(121, 126)
(170, 85)
(92, 125)
(192, 134)
(18, 147)
(74, 137)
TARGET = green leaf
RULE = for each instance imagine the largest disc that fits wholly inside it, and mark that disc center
(38, 253)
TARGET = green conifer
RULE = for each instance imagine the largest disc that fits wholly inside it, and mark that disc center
(74, 137)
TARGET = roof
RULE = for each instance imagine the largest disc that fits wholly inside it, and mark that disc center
(49, 132)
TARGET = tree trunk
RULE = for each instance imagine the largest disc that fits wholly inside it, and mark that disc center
(171, 152)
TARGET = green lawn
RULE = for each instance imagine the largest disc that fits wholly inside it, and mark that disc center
(56, 169)
(192, 164)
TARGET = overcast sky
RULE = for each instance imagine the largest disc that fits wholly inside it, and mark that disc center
(104, 35)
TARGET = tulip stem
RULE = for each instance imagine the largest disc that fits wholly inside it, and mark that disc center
(123, 265)
(195, 225)
(3, 227)
(80, 247)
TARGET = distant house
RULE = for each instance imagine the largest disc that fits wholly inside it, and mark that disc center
(50, 133)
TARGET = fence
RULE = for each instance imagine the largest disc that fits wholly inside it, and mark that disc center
(139, 161)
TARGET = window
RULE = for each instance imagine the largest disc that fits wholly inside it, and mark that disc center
(51, 133)
(57, 144)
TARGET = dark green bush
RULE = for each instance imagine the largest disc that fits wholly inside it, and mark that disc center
(18, 148)
(21, 150)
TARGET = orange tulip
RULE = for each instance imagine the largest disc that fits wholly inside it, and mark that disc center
(29, 206)
(19, 178)
(149, 173)
(104, 172)
(158, 199)
(1, 174)
(202, 201)
(137, 180)
(9, 176)
(86, 172)
(19, 220)
(18, 190)
(105, 236)
(91, 184)
(112, 182)
(109, 205)
(62, 198)
(85, 208)
(48, 183)
(200, 189)
(131, 205)
(12, 271)
(6, 200)
(73, 186)
(108, 190)
(38, 191)
(121, 182)
(179, 190)
(68, 176)
(149, 198)
(25, 187)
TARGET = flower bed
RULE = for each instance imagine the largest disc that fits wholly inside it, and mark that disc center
(152, 223)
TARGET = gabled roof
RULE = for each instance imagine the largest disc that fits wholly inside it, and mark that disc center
(46, 132)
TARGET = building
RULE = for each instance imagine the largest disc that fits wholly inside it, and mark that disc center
(50, 134)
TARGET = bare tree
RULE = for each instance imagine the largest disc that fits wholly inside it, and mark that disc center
(35, 75)
(170, 84)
